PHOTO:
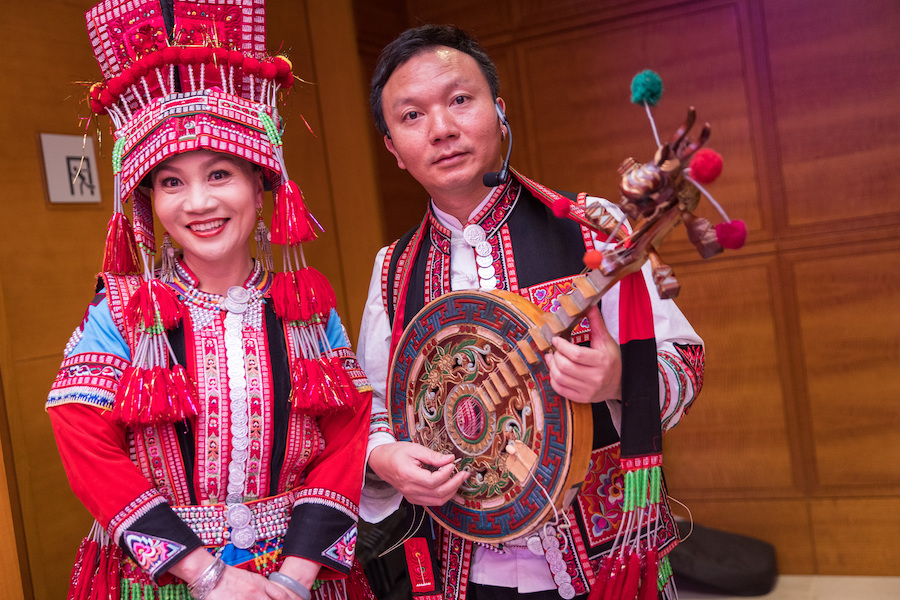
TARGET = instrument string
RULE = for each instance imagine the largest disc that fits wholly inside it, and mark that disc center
(411, 530)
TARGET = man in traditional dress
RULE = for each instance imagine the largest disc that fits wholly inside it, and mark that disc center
(434, 97)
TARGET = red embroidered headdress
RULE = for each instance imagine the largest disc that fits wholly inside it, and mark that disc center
(180, 76)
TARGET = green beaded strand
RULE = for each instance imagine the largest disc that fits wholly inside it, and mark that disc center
(642, 476)
(118, 151)
(656, 485)
(271, 129)
(665, 573)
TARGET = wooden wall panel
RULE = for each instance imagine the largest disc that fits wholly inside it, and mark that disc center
(582, 124)
(734, 441)
(484, 18)
(837, 99)
(781, 522)
(850, 331)
(856, 535)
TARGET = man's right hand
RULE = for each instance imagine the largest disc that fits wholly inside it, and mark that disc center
(422, 475)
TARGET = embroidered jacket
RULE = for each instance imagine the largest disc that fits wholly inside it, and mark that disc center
(536, 255)
(160, 490)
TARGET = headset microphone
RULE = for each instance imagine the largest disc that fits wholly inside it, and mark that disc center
(495, 178)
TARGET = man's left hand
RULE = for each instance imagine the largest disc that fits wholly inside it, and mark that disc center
(587, 374)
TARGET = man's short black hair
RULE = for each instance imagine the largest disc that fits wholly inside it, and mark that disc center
(411, 42)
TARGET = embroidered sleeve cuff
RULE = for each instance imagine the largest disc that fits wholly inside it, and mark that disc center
(680, 377)
(157, 540)
(87, 378)
(323, 530)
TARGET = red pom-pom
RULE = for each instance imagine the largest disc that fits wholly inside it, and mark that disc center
(561, 207)
(250, 66)
(706, 165)
(593, 259)
(235, 58)
(128, 77)
(171, 55)
(140, 68)
(190, 56)
(106, 98)
(116, 86)
(153, 60)
(220, 56)
(732, 234)
(268, 71)
(283, 67)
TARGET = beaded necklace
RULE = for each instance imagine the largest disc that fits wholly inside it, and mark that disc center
(243, 306)
(204, 307)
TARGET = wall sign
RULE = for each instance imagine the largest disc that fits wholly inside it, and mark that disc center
(70, 168)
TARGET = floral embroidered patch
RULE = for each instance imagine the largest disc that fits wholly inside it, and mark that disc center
(150, 552)
(342, 550)
(546, 297)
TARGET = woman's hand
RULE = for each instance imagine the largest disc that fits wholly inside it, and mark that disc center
(238, 584)
(423, 476)
(300, 570)
(235, 584)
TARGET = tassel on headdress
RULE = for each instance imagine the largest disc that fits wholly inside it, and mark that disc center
(119, 252)
(304, 298)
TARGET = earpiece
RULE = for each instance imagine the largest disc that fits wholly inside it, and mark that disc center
(495, 178)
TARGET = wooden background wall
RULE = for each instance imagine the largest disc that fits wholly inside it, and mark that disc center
(794, 437)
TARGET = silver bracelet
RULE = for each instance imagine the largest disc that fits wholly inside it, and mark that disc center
(291, 584)
(203, 585)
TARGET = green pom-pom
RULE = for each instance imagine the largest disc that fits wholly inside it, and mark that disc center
(646, 87)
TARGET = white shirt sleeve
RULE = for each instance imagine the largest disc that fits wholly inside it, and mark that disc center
(378, 499)
(679, 383)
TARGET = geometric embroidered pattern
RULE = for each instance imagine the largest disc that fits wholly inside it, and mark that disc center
(329, 498)
(88, 378)
(694, 356)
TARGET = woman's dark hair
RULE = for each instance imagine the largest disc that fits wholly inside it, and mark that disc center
(411, 42)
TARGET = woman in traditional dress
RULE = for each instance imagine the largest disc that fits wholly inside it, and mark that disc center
(209, 414)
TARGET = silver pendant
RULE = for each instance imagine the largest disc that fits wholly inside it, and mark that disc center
(474, 234)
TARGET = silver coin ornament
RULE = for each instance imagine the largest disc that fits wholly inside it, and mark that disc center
(238, 515)
(566, 591)
(243, 538)
(534, 544)
(474, 234)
